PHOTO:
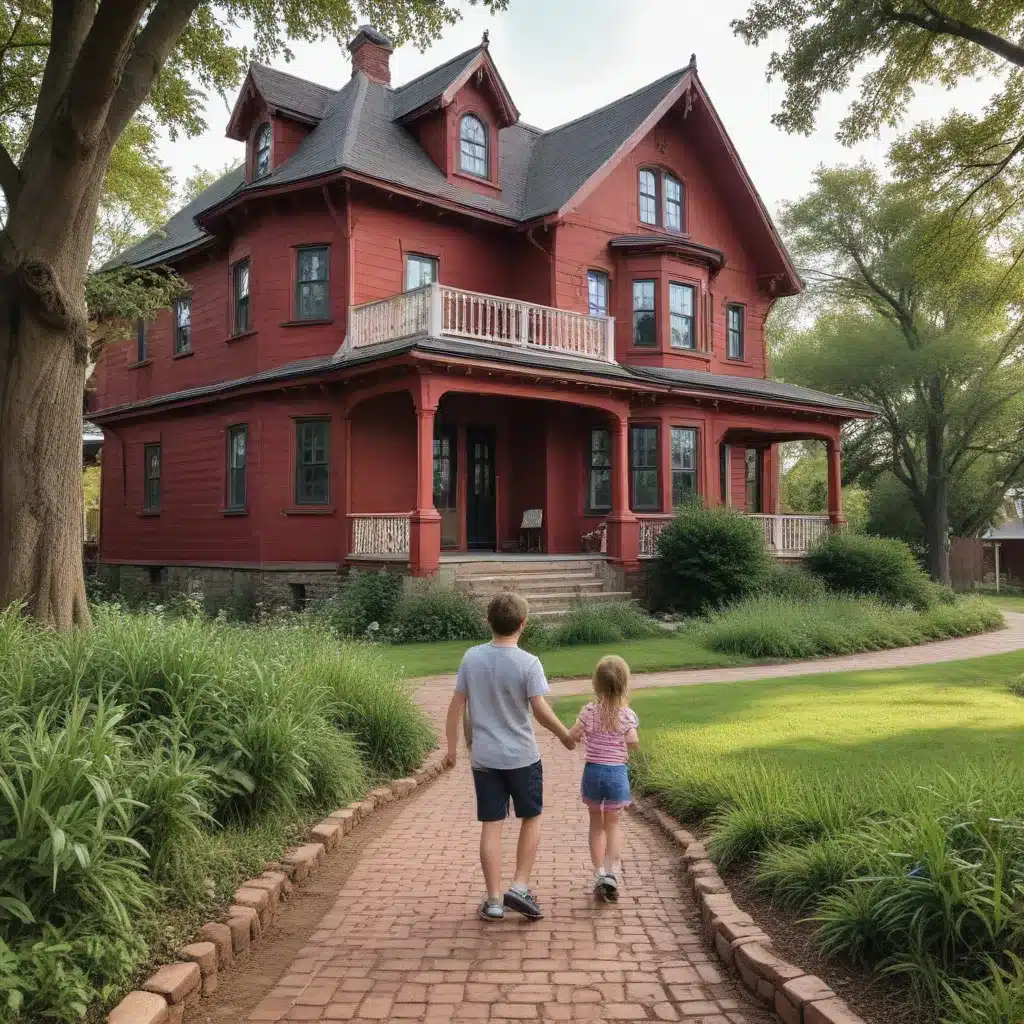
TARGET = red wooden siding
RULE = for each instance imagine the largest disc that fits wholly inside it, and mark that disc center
(383, 444)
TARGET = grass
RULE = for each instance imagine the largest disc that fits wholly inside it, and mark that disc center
(1005, 602)
(885, 805)
(673, 650)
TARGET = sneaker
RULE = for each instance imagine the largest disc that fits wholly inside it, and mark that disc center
(491, 911)
(523, 903)
(610, 888)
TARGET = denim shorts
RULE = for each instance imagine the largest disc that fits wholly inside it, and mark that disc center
(495, 787)
(606, 786)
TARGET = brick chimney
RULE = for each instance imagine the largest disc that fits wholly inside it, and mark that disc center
(371, 54)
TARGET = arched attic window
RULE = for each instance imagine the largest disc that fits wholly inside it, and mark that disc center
(261, 164)
(662, 199)
(473, 146)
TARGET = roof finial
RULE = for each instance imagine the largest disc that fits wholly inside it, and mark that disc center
(486, 41)
(693, 62)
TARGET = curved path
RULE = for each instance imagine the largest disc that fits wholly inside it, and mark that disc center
(402, 941)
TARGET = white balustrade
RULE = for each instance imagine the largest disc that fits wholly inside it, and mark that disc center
(650, 528)
(443, 311)
(380, 536)
(792, 535)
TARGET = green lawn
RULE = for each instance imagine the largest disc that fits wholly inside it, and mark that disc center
(1006, 602)
(874, 802)
(671, 651)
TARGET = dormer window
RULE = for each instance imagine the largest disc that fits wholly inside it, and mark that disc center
(261, 165)
(661, 199)
(473, 146)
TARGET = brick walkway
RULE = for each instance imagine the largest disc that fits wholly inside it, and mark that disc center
(402, 941)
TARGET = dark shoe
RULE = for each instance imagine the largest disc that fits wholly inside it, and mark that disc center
(523, 903)
(610, 888)
(491, 911)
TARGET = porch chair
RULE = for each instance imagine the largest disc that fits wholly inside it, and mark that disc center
(530, 529)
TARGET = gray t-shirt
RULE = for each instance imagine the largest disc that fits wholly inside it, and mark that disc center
(499, 682)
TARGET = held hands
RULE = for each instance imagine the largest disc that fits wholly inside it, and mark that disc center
(576, 732)
(568, 740)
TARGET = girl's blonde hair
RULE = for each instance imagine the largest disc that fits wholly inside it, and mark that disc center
(611, 685)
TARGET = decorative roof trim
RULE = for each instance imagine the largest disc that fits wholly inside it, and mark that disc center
(248, 91)
(483, 64)
(714, 258)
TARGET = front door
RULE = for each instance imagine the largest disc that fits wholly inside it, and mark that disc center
(481, 506)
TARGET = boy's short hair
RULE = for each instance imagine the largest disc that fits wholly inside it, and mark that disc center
(507, 612)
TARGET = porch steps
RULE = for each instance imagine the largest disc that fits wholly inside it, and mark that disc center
(551, 586)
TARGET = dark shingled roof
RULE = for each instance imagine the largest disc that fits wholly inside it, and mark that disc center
(358, 130)
(290, 94)
(425, 89)
(713, 383)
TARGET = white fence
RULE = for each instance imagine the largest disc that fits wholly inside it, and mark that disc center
(792, 536)
(380, 536)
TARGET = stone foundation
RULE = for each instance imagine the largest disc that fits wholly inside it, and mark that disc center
(222, 588)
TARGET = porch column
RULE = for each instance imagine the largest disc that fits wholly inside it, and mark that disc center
(425, 521)
(623, 526)
(835, 482)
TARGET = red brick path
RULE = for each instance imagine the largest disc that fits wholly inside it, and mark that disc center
(402, 941)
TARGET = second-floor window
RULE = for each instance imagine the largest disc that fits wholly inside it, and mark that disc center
(597, 293)
(312, 462)
(648, 197)
(643, 313)
(643, 468)
(261, 160)
(151, 478)
(473, 146)
(680, 298)
(141, 341)
(312, 283)
(734, 332)
(684, 464)
(599, 491)
(662, 199)
(240, 288)
(419, 270)
(182, 325)
(238, 442)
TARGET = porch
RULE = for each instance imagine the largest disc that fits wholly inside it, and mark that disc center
(458, 476)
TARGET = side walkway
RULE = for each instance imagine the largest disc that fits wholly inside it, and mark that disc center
(1002, 641)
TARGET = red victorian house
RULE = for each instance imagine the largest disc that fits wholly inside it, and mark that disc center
(413, 319)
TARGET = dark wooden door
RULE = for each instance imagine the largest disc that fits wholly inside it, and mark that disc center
(481, 506)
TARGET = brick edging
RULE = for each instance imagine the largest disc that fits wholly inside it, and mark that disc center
(162, 998)
(796, 996)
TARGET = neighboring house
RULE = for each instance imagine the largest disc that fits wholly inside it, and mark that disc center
(413, 318)
(1008, 540)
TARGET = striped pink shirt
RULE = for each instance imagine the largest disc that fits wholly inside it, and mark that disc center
(600, 745)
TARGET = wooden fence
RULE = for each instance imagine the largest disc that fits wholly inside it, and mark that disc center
(966, 562)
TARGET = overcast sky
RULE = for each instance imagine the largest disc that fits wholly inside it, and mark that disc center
(562, 58)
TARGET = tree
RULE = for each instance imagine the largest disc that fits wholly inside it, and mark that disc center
(899, 45)
(924, 323)
(805, 488)
(74, 76)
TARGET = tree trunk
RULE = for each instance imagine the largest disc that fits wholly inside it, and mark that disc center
(42, 377)
(44, 252)
(936, 528)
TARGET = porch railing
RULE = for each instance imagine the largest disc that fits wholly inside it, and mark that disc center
(791, 536)
(650, 527)
(383, 535)
(442, 311)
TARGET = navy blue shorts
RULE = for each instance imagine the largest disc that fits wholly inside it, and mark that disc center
(495, 787)
(606, 786)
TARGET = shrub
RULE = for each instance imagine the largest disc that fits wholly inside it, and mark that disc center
(706, 557)
(879, 566)
(599, 622)
(792, 582)
(773, 627)
(538, 635)
(433, 611)
(364, 598)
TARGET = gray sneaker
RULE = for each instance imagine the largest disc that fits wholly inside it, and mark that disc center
(523, 903)
(491, 911)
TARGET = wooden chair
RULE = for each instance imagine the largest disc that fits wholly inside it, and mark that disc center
(530, 530)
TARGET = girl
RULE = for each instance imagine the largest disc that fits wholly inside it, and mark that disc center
(608, 728)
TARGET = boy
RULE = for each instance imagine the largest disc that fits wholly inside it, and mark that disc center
(502, 684)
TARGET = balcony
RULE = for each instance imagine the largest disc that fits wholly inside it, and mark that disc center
(441, 311)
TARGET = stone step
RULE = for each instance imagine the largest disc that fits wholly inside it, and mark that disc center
(498, 567)
(562, 601)
(541, 581)
(532, 590)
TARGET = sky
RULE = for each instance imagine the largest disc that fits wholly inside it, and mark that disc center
(563, 58)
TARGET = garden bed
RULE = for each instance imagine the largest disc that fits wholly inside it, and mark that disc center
(884, 804)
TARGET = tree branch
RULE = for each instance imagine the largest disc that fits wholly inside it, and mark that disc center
(68, 29)
(152, 48)
(944, 25)
(10, 177)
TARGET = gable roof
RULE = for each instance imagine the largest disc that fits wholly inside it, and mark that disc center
(359, 129)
